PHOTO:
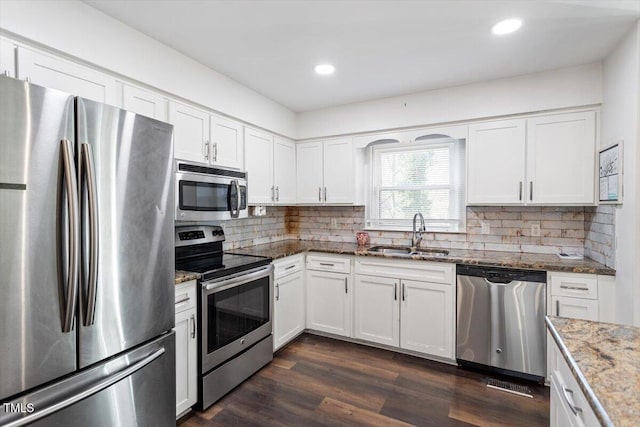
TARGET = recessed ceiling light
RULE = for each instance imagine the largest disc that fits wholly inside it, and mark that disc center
(506, 27)
(324, 69)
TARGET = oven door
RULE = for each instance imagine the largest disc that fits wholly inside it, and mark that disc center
(202, 197)
(236, 313)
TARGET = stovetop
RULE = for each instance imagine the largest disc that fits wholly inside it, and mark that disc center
(199, 250)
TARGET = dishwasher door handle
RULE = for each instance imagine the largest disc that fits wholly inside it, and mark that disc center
(497, 283)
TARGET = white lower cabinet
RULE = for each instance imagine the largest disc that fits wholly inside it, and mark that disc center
(328, 299)
(568, 407)
(186, 347)
(289, 302)
(402, 312)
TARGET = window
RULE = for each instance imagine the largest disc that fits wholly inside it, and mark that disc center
(426, 176)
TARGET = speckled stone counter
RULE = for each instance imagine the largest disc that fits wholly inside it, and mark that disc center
(605, 361)
(185, 276)
(502, 259)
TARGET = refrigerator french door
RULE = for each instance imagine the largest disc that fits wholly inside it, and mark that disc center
(86, 221)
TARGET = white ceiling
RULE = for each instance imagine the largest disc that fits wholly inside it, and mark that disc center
(380, 48)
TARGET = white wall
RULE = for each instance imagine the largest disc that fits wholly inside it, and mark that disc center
(567, 87)
(81, 31)
(620, 121)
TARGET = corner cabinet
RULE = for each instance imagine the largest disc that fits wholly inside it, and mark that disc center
(271, 163)
(186, 347)
(409, 305)
(329, 294)
(326, 172)
(544, 160)
(289, 300)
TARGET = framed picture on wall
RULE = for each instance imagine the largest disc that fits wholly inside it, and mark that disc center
(610, 173)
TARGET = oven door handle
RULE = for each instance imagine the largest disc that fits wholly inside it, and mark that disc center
(221, 285)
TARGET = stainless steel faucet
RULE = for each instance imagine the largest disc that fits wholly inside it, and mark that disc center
(416, 237)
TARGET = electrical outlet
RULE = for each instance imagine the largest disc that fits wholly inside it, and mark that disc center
(535, 230)
(486, 229)
(334, 223)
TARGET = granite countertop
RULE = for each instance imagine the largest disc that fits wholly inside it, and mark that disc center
(185, 276)
(494, 258)
(605, 361)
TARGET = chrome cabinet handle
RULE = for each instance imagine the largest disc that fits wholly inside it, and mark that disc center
(346, 286)
(88, 170)
(520, 192)
(403, 291)
(325, 194)
(327, 264)
(531, 190)
(557, 307)
(68, 176)
(278, 194)
(575, 409)
(182, 300)
(574, 288)
(320, 194)
(273, 194)
(290, 267)
(277, 292)
(193, 326)
(215, 151)
(395, 291)
(206, 150)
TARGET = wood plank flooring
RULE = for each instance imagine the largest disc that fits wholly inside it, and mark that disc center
(318, 381)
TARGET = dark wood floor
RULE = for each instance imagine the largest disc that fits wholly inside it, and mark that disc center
(317, 381)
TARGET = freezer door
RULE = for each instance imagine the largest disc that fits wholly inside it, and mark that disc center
(35, 282)
(127, 257)
(135, 389)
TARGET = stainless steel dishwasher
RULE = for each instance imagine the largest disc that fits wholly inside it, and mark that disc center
(500, 320)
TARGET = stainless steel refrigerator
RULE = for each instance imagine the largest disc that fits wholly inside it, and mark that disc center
(86, 262)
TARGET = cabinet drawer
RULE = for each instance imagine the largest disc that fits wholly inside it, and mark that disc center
(329, 263)
(288, 265)
(574, 285)
(185, 296)
(424, 271)
(575, 308)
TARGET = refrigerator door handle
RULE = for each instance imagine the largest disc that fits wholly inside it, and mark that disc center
(89, 173)
(71, 187)
(68, 395)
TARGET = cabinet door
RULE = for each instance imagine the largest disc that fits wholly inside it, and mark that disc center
(143, 102)
(495, 164)
(560, 415)
(338, 172)
(190, 132)
(309, 172)
(258, 161)
(376, 310)
(56, 73)
(288, 312)
(284, 170)
(426, 318)
(7, 58)
(227, 143)
(576, 308)
(328, 302)
(186, 361)
(561, 158)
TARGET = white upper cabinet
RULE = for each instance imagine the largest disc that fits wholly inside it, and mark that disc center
(545, 160)
(284, 170)
(190, 132)
(258, 162)
(7, 58)
(495, 172)
(144, 102)
(561, 158)
(326, 172)
(309, 172)
(227, 144)
(56, 73)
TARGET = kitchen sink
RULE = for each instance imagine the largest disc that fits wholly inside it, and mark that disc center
(397, 251)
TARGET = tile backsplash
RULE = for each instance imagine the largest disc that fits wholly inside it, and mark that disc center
(589, 231)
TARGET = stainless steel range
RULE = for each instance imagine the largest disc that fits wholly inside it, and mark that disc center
(234, 310)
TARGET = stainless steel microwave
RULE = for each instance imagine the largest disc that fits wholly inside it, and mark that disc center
(206, 193)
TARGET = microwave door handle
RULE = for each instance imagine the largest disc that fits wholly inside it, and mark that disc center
(234, 209)
(238, 197)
